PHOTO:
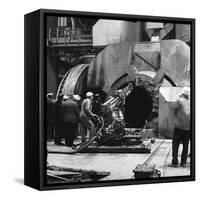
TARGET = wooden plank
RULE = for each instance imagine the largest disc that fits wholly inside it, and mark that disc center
(74, 173)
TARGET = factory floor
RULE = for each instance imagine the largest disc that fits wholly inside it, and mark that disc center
(120, 165)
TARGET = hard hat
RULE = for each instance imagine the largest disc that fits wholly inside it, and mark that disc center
(49, 95)
(65, 97)
(96, 95)
(185, 91)
(76, 97)
(89, 94)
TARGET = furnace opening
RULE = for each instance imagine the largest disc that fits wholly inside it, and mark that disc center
(138, 107)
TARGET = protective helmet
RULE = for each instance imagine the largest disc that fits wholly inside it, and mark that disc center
(49, 95)
(185, 91)
(89, 94)
(65, 97)
(97, 95)
(76, 97)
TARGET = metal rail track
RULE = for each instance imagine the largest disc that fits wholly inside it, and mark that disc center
(153, 154)
(165, 162)
(150, 158)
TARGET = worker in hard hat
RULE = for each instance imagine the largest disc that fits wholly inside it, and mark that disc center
(181, 119)
(58, 120)
(70, 115)
(96, 104)
(50, 117)
(86, 117)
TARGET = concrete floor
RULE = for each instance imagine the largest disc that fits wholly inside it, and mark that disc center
(120, 165)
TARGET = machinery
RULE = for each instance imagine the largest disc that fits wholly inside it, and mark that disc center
(113, 114)
(110, 125)
(146, 172)
(152, 65)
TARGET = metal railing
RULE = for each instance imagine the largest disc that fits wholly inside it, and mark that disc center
(66, 35)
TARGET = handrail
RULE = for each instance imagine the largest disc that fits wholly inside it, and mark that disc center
(65, 32)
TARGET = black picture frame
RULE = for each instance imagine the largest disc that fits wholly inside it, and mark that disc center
(35, 98)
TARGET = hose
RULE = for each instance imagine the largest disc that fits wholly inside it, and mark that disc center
(86, 144)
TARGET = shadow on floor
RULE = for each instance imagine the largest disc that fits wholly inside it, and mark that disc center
(19, 180)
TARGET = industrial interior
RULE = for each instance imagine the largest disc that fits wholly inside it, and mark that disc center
(149, 61)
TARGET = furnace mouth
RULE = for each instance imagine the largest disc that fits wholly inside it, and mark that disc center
(138, 107)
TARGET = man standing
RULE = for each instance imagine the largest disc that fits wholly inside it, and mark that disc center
(85, 117)
(70, 115)
(181, 115)
(96, 105)
(50, 120)
(58, 120)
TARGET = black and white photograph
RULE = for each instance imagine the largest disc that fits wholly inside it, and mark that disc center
(99, 99)
(118, 99)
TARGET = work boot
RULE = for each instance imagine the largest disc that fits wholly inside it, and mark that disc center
(172, 165)
(183, 164)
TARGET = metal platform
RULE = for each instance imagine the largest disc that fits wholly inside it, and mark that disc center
(117, 149)
(101, 149)
(135, 147)
(120, 165)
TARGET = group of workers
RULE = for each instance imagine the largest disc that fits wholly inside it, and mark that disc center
(69, 114)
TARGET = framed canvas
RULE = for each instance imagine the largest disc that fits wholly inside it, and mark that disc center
(109, 99)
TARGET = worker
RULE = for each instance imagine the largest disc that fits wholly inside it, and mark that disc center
(86, 117)
(96, 104)
(78, 100)
(181, 114)
(70, 115)
(122, 96)
(50, 120)
(58, 120)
